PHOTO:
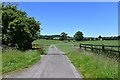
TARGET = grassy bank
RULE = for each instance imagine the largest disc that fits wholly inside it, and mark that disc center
(0, 63)
(91, 65)
(15, 60)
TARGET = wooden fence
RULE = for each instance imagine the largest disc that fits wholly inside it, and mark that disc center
(37, 46)
(113, 50)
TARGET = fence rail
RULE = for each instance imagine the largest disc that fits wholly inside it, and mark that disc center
(112, 50)
(37, 46)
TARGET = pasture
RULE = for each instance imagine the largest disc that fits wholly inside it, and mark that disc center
(105, 42)
(46, 42)
(99, 42)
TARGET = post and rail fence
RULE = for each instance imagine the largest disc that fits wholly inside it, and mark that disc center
(109, 49)
(38, 46)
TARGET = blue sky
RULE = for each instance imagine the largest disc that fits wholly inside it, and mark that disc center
(92, 18)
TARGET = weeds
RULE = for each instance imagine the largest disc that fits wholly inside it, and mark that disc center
(15, 60)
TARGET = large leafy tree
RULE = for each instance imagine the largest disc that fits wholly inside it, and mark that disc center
(63, 36)
(78, 36)
(0, 22)
(18, 29)
(0, 15)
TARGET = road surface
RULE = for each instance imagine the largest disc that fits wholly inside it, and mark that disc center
(53, 65)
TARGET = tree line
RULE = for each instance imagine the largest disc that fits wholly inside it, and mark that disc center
(78, 36)
(18, 30)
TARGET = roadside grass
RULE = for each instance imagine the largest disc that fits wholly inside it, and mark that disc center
(46, 47)
(91, 65)
(94, 66)
(0, 63)
(15, 60)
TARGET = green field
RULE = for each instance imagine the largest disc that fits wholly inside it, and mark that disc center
(99, 42)
(107, 42)
(15, 60)
(46, 42)
(49, 42)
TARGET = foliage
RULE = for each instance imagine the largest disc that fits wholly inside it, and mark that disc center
(13, 59)
(63, 36)
(78, 36)
(0, 40)
(18, 29)
(0, 14)
(100, 36)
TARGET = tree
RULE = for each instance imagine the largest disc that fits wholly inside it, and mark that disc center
(99, 36)
(18, 29)
(63, 36)
(78, 36)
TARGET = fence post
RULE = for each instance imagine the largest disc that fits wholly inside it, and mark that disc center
(103, 47)
(91, 47)
(80, 45)
(85, 46)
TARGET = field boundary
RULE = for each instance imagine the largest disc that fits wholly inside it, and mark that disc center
(37, 46)
(108, 49)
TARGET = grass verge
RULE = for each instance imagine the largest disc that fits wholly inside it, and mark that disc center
(91, 65)
(15, 60)
(46, 47)
(0, 63)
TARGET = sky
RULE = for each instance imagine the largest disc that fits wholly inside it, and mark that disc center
(60, 0)
(91, 18)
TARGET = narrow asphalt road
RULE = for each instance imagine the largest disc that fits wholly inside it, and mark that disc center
(53, 65)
